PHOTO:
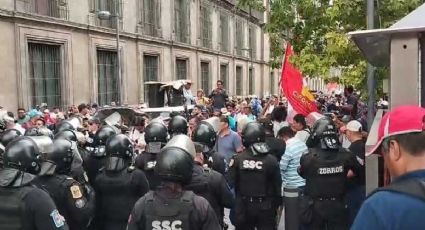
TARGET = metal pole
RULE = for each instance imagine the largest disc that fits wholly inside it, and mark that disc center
(370, 69)
(120, 83)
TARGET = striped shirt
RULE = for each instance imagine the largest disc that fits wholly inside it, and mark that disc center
(290, 162)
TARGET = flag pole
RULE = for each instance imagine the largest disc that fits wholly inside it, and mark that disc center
(283, 66)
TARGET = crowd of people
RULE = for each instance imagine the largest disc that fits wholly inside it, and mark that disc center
(70, 170)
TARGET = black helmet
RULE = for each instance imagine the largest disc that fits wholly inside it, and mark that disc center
(324, 134)
(23, 154)
(175, 161)
(37, 132)
(120, 146)
(205, 134)
(103, 134)
(156, 132)
(66, 135)
(9, 135)
(177, 125)
(64, 125)
(253, 133)
(62, 155)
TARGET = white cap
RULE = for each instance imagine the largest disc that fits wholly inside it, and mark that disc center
(354, 126)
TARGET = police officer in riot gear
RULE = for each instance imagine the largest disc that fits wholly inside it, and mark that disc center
(118, 186)
(64, 125)
(74, 200)
(277, 146)
(156, 136)
(206, 135)
(23, 205)
(97, 157)
(66, 134)
(325, 169)
(256, 178)
(170, 206)
(211, 185)
(177, 125)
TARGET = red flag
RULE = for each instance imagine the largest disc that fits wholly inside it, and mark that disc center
(291, 84)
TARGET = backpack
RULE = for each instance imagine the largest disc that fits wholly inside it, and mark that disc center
(414, 188)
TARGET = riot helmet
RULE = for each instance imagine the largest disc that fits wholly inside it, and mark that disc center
(253, 133)
(64, 125)
(119, 151)
(177, 125)
(103, 134)
(205, 135)
(8, 136)
(175, 161)
(66, 134)
(156, 136)
(62, 155)
(324, 135)
(23, 154)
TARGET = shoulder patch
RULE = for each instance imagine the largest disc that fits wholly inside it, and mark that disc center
(57, 219)
(76, 192)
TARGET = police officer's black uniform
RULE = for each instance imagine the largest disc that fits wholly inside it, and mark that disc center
(212, 186)
(22, 205)
(156, 137)
(170, 207)
(118, 186)
(277, 146)
(325, 169)
(257, 181)
(205, 134)
(74, 201)
(97, 158)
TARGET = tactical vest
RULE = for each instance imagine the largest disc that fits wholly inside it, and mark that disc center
(57, 187)
(252, 176)
(118, 193)
(328, 177)
(200, 186)
(171, 215)
(12, 208)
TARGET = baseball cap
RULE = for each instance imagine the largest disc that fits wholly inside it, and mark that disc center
(401, 120)
(354, 126)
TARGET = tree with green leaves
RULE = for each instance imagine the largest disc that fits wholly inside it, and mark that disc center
(317, 30)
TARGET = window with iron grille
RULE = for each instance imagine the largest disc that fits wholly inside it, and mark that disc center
(252, 42)
(251, 81)
(150, 71)
(239, 42)
(205, 76)
(224, 32)
(108, 82)
(181, 69)
(206, 25)
(51, 8)
(45, 74)
(272, 82)
(114, 7)
(239, 80)
(151, 17)
(224, 75)
(182, 20)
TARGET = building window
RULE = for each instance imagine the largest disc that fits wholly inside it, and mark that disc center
(150, 71)
(205, 76)
(51, 8)
(206, 25)
(251, 81)
(238, 80)
(45, 74)
(272, 83)
(181, 69)
(239, 42)
(252, 42)
(151, 17)
(108, 82)
(224, 75)
(182, 20)
(224, 32)
(112, 6)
